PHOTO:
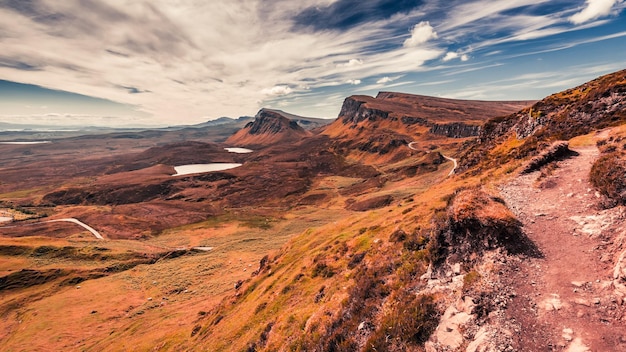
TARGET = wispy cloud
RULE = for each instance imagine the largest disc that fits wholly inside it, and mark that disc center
(594, 9)
(387, 79)
(192, 59)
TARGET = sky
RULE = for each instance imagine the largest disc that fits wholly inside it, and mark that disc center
(171, 62)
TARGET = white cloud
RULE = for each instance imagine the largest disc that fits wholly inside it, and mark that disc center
(420, 34)
(450, 56)
(387, 79)
(355, 82)
(594, 9)
(351, 63)
(277, 91)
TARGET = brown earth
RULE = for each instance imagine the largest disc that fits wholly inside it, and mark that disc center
(564, 300)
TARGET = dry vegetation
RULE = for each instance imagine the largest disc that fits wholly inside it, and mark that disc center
(608, 173)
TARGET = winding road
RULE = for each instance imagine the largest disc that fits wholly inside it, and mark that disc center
(72, 220)
(453, 160)
(79, 223)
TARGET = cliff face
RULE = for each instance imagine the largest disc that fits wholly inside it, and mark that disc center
(269, 127)
(450, 130)
(389, 106)
(355, 109)
(384, 125)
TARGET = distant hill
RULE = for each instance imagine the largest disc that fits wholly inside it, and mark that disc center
(270, 127)
(308, 123)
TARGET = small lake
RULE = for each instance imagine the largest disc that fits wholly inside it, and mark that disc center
(239, 150)
(202, 168)
(26, 143)
(5, 219)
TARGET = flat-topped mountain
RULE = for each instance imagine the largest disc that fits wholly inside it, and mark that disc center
(437, 110)
(269, 127)
(388, 122)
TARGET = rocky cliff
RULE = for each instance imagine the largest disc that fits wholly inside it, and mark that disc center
(445, 117)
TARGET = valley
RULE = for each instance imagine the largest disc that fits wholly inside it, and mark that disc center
(407, 223)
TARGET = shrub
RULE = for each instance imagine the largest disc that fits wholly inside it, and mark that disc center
(323, 270)
(470, 280)
(557, 151)
(475, 222)
(411, 321)
(608, 176)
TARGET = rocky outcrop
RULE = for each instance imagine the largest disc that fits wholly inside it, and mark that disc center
(450, 130)
(270, 122)
(455, 130)
(269, 127)
(355, 110)
(592, 106)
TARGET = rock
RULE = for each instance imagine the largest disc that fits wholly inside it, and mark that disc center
(577, 346)
(448, 333)
(606, 258)
(553, 303)
(578, 283)
(582, 302)
(428, 274)
(596, 300)
(430, 346)
(456, 268)
(480, 341)
(466, 305)
(568, 334)
(619, 272)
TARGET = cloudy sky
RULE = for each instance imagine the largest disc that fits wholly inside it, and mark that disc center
(166, 62)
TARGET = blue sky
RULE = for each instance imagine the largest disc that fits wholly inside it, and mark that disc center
(167, 62)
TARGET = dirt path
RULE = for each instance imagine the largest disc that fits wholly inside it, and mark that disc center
(72, 220)
(564, 301)
(82, 224)
(453, 160)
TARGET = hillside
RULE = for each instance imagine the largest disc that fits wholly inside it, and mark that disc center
(441, 267)
(592, 106)
(361, 235)
(269, 127)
